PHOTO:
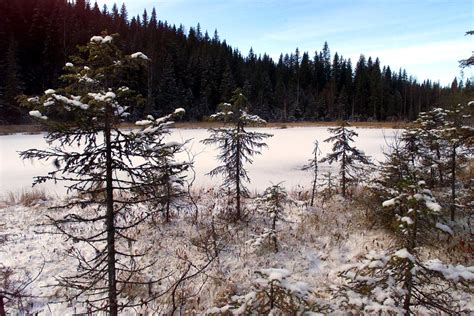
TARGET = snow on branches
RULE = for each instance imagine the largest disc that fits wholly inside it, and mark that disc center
(236, 146)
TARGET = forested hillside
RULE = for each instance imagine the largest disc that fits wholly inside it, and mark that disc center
(196, 71)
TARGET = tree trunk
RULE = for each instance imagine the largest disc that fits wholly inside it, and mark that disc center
(315, 179)
(408, 287)
(453, 182)
(408, 284)
(275, 241)
(168, 198)
(237, 173)
(343, 173)
(2, 307)
(110, 216)
(313, 192)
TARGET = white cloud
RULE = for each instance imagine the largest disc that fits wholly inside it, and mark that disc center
(425, 54)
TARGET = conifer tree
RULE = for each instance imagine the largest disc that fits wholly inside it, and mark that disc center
(313, 166)
(426, 129)
(401, 280)
(273, 202)
(349, 157)
(111, 172)
(236, 145)
(457, 136)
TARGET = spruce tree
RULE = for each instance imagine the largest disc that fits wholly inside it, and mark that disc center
(272, 204)
(456, 136)
(236, 145)
(349, 157)
(110, 171)
(401, 280)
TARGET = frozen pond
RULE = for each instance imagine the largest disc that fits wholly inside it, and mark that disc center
(288, 150)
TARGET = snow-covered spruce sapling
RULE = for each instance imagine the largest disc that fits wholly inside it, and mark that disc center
(112, 172)
(457, 136)
(271, 204)
(399, 281)
(273, 294)
(313, 166)
(430, 144)
(349, 157)
(236, 146)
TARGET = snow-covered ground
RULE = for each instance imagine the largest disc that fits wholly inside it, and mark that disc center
(288, 150)
(315, 243)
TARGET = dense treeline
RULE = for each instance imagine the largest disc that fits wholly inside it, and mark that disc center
(196, 71)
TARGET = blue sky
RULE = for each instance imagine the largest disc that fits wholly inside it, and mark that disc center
(424, 37)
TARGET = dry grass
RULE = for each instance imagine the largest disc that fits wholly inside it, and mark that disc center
(25, 128)
(25, 197)
(36, 129)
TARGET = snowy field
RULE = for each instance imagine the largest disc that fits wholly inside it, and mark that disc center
(316, 244)
(288, 150)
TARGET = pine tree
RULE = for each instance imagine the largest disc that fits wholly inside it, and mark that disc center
(236, 146)
(351, 159)
(87, 113)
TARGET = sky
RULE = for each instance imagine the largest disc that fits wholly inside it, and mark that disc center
(426, 37)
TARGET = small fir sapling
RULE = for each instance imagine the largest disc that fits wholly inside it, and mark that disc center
(400, 280)
(349, 157)
(236, 146)
(313, 166)
(110, 170)
(329, 185)
(171, 180)
(271, 204)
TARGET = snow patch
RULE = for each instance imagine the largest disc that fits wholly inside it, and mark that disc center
(403, 253)
(390, 202)
(275, 274)
(444, 228)
(451, 272)
(101, 40)
(139, 55)
(38, 115)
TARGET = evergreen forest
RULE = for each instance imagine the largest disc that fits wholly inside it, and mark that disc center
(195, 70)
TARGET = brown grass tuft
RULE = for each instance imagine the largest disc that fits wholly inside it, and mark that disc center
(26, 197)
